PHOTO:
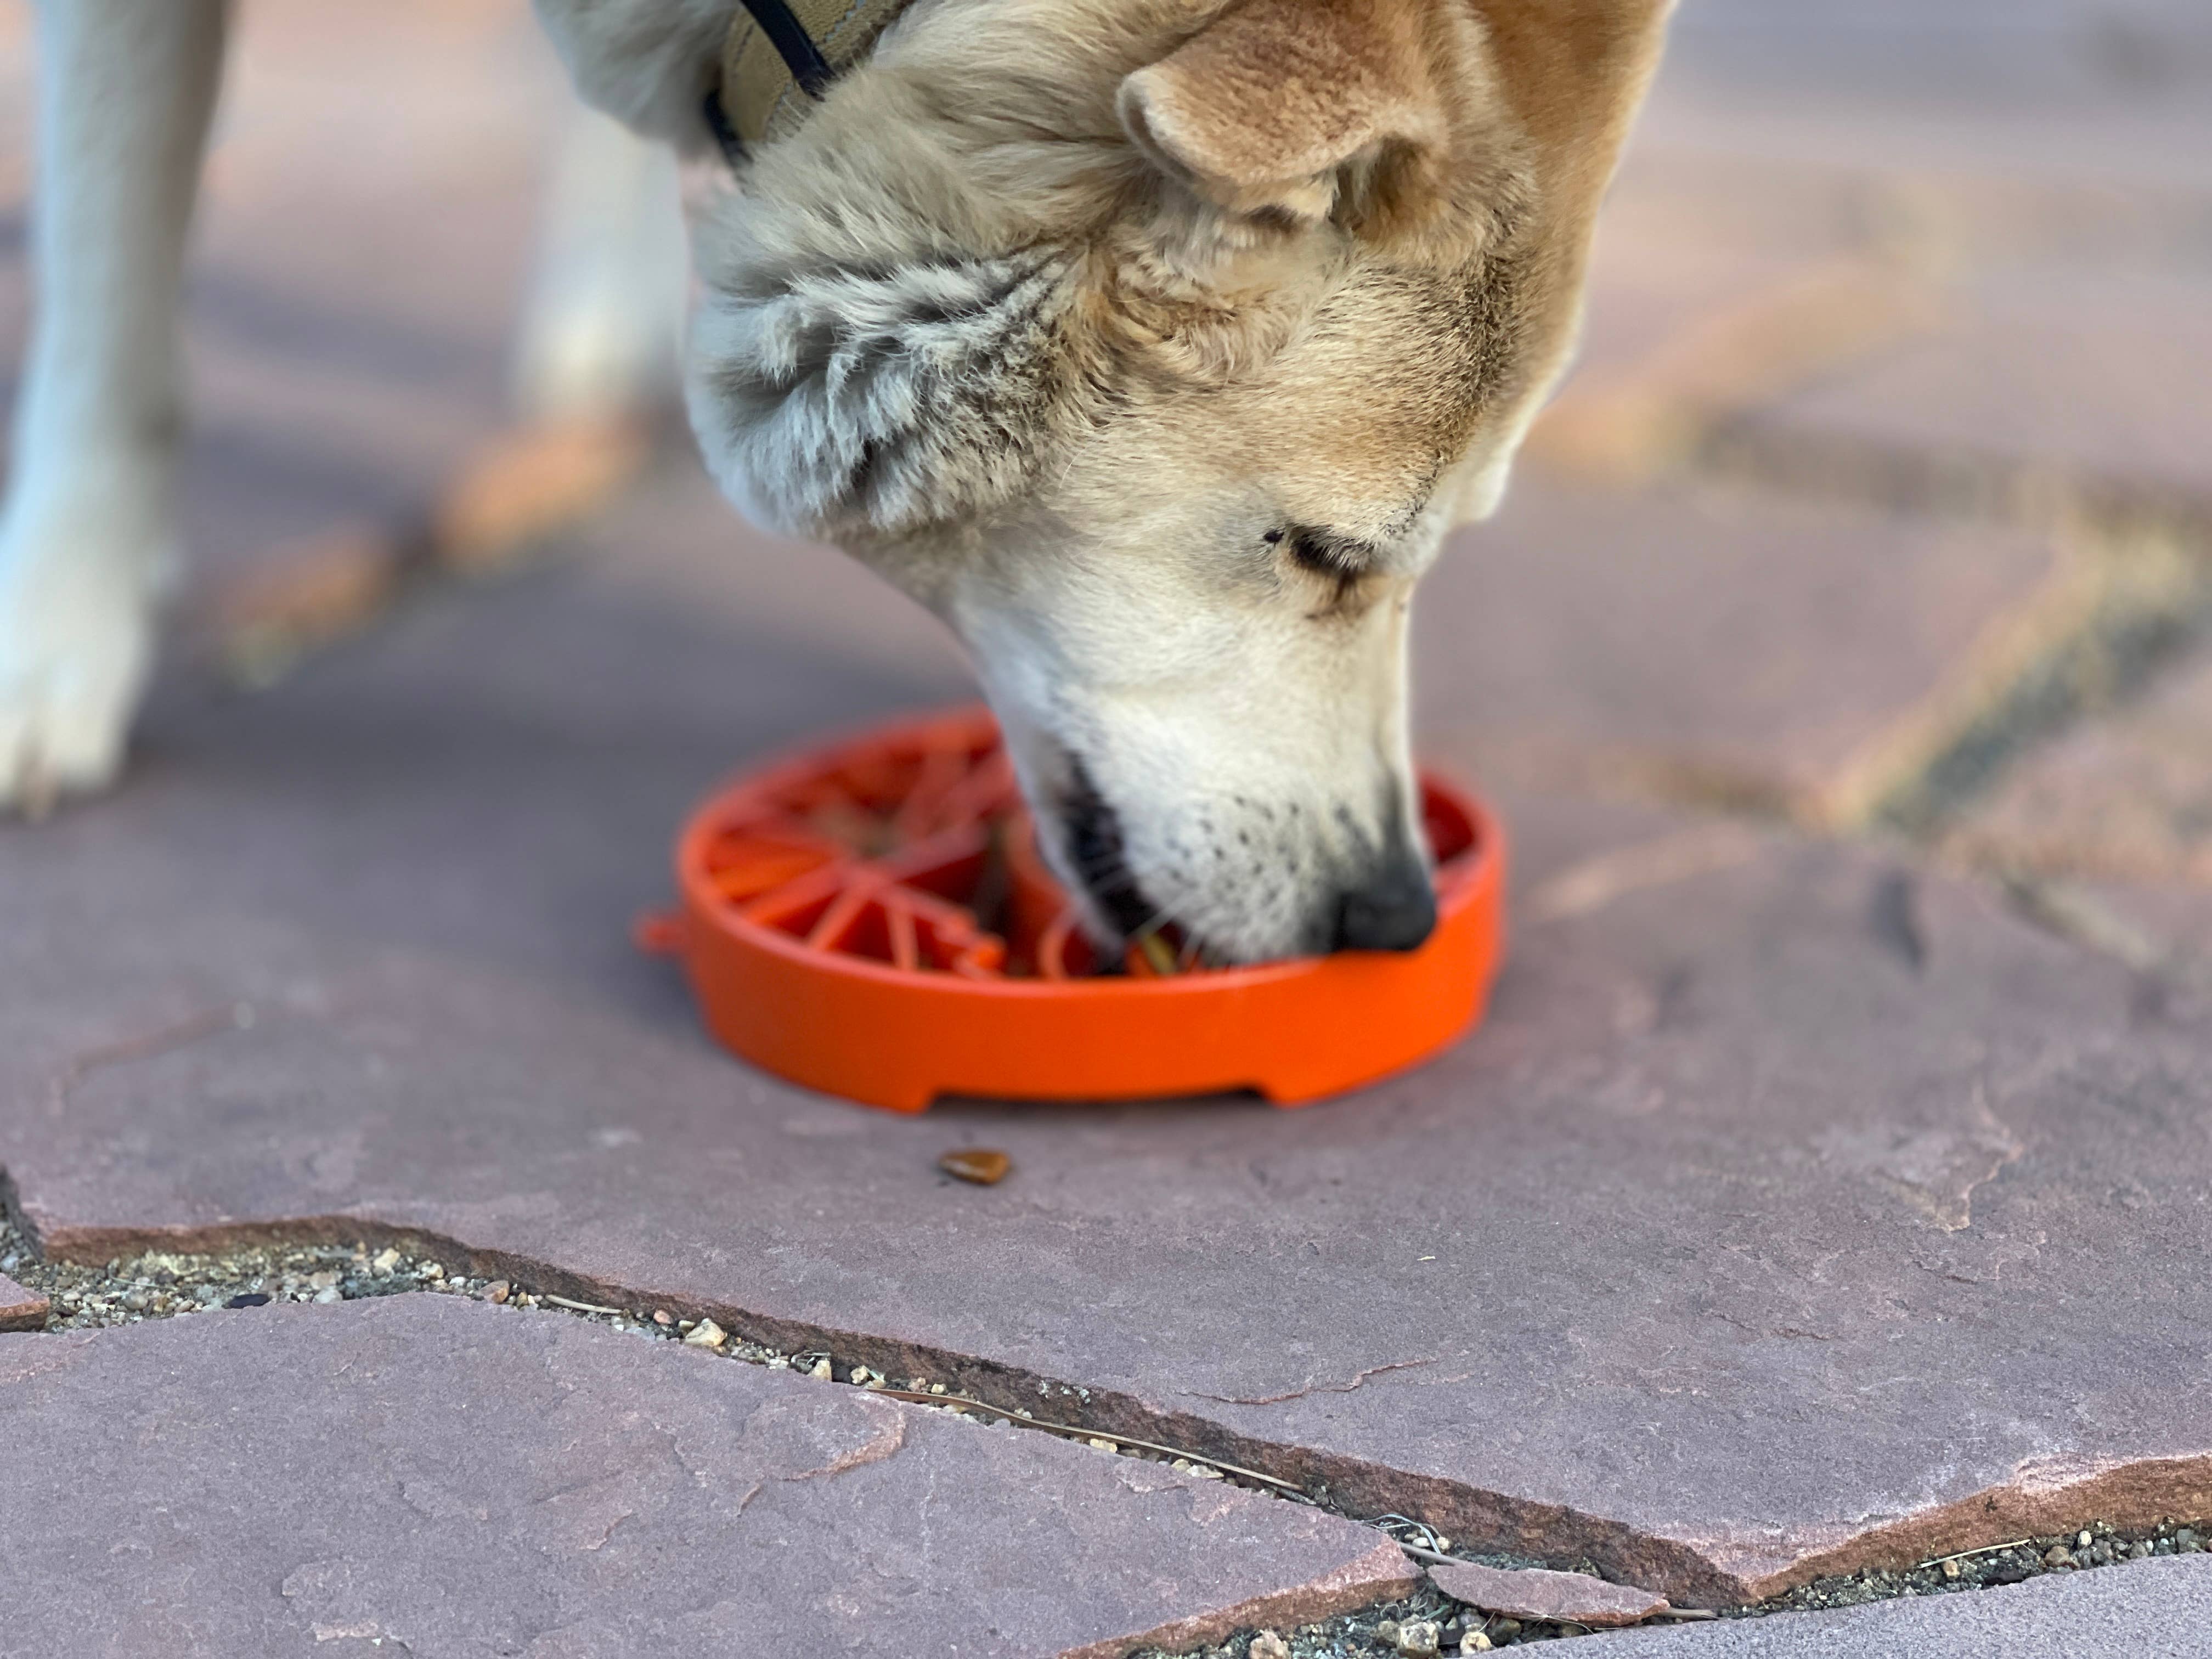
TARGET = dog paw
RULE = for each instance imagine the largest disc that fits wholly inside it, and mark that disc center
(76, 646)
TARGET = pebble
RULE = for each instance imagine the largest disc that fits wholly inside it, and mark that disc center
(1950, 1569)
(1268, 1645)
(1417, 1639)
(662, 1317)
(2082, 1540)
(705, 1334)
(2056, 1557)
(329, 1294)
(498, 1291)
(1107, 1446)
(2186, 1541)
(384, 1260)
(1474, 1641)
(821, 1372)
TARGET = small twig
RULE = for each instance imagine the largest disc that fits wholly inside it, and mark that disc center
(1422, 1552)
(1069, 1429)
(1986, 1549)
(581, 1307)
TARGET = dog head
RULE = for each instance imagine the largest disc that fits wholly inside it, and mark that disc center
(1156, 345)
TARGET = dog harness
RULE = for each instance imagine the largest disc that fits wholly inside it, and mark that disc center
(780, 54)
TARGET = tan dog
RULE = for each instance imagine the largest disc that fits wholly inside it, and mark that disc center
(1155, 345)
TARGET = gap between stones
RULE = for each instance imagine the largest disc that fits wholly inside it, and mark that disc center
(103, 1277)
(2131, 591)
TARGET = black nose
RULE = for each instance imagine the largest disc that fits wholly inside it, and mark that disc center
(1394, 909)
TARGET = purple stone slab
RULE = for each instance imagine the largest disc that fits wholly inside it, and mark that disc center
(2155, 1609)
(1691, 641)
(1533, 1593)
(20, 1309)
(444, 1477)
(2089, 375)
(2118, 811)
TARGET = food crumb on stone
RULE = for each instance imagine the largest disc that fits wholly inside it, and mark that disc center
(980, 1166)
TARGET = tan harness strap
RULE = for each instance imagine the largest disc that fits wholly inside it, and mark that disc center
(761, 97)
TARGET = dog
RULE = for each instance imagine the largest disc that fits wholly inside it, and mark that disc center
(1155, 345)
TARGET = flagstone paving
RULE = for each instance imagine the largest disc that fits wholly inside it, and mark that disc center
(425, 1475)
(1805, 1204)
(1727, 645)
(1809, 1149)
(2115, 818)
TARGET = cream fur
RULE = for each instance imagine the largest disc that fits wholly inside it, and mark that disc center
(1156, 344)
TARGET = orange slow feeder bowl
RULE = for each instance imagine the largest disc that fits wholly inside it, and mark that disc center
(830, 925)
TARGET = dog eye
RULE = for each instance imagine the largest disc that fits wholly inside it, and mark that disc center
(1337, 558)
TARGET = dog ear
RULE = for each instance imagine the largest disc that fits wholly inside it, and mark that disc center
(848, 403)
(1299, 112)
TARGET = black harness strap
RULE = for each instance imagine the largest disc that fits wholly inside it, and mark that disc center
(794, 45)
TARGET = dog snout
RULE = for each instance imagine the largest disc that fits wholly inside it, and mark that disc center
(1393, 909)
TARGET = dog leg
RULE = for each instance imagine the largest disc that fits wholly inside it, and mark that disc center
(126, 87)
(600, 329)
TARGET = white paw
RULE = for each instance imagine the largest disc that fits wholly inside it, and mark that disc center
(76, 646)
